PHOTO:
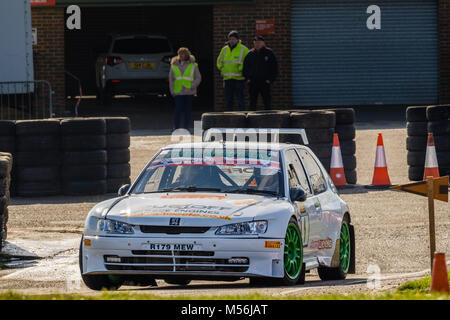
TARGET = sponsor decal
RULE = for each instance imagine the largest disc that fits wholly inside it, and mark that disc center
(193, 196)
(182, 214)
(272, 244)
(243, 202)
(253, 183)
(322, 244)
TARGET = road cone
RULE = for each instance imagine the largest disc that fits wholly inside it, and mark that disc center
(380, 174)
(439, 276)
(431, 163)
(337, 166)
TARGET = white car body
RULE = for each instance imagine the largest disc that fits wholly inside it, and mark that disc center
(206, 255)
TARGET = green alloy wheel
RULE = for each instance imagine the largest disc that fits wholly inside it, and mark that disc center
(340, 273)
(293, 252)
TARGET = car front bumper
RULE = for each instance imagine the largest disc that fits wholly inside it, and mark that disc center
(208, 257)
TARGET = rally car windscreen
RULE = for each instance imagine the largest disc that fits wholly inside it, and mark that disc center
(237, 171)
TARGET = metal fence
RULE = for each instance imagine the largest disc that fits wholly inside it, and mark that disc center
(26, 100)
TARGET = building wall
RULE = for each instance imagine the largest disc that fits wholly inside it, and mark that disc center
(242, 18)
(48, 54)
(444, 51)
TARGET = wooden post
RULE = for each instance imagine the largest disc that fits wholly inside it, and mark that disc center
(430, 189)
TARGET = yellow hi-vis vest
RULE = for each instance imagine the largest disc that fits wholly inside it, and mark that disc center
(184, 80)
(231, 62)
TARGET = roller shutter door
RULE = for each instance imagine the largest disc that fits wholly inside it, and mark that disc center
(339, 57)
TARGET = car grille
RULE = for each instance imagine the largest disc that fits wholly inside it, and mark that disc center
(173, 229)
(181, 261)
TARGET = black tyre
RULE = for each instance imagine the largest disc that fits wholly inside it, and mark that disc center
(416, 114)
(84, 126)
(349, 162)
(351, 176)
(37, 174)
(439, 128)
(345, 249)
(323, 135)
(181, 281)
(38, 159)
(416, 143)
(344, 116)
(4, 186)
(443, 159)
(437, 113)
(415, 173)
(280, 119)
(83, 172)
(38, 189)
(7, 144)
(345, 132)
(5, 168)
(106, 95)
(118, 125)
(322, 150)
(417, 128)
(348, 147)
(85, 157)
(442, 143)
(114, 184)
(118, 155)
(50, 127)
(7, 128)
(121, 170)
(117, 140)
(224, 120)
(81, 188)
(84, 142)
(37, 143)
(316, 119)
(98, 282)
(416, 158)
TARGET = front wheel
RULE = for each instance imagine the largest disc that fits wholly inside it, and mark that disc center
(340, 273)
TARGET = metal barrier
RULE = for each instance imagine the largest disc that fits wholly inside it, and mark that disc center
(26, 100)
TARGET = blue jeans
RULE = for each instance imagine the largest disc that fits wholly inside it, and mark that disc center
(183, 104)
(234, 87)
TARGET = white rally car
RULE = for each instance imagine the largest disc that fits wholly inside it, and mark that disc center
(221, 211)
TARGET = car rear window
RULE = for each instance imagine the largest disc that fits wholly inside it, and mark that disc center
(141, 46)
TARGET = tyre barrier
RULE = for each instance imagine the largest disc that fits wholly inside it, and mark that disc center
(69, 156)
(118, 168)
(320, 125)
(422, 120)
(6, 163)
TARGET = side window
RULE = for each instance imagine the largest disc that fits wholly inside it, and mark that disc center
(296, 173)
(313, 170)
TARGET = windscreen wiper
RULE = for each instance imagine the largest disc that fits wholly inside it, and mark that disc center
(190, 189)
(252, 191)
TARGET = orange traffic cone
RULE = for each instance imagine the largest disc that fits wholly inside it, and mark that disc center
(431, 163)
(439, 276)
(380, 174)
(337, 166)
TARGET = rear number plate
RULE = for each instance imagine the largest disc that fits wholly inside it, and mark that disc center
(142, 65)
(165, 246)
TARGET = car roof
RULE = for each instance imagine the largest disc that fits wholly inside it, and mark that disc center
(238, 145)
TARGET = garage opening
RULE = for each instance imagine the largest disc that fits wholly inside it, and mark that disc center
(184, 26)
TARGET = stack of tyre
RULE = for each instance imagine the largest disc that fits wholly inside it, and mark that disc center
(8, 142)
(5, 179)
(84, 166)
(421, 121)
(118, 152)
(37, 170)
(346, 130)
(269, 119)
(224, 120)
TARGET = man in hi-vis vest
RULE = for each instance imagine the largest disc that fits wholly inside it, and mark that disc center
(184, 78)
(230, 62)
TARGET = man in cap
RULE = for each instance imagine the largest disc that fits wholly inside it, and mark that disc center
(260, 70)
(230, 63)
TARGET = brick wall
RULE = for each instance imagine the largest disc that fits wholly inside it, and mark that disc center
(444, 51)
(48, 54)
(242, 18)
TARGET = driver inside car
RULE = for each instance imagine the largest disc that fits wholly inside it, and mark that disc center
(198, 176)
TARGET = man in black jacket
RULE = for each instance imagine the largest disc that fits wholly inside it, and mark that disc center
(260, 71)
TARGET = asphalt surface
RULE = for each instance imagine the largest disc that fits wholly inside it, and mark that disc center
(391, 227)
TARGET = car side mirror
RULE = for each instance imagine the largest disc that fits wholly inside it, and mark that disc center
(297, 194)
(123, 190)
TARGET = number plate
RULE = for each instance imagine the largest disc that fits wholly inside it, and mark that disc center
(142, 65)
(169, 247)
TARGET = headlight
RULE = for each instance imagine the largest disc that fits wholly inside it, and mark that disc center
(243, 228)
(114, 227)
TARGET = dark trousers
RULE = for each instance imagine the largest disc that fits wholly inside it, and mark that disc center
(234, 87)
(183, 104)
(255, 88)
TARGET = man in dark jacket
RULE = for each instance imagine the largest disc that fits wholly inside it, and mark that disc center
(260, 71)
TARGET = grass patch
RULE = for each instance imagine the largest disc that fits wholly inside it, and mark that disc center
(421, 286)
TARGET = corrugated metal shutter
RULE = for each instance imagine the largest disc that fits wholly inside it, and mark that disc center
(337, 60)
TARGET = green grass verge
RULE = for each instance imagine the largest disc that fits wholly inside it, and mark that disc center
(421, 286)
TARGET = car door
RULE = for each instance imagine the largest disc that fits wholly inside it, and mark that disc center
(309, 210)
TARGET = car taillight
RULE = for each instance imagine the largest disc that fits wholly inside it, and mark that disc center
(166, 59)
(112, 61)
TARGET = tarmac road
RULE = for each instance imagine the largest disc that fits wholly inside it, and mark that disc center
(391, 231)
